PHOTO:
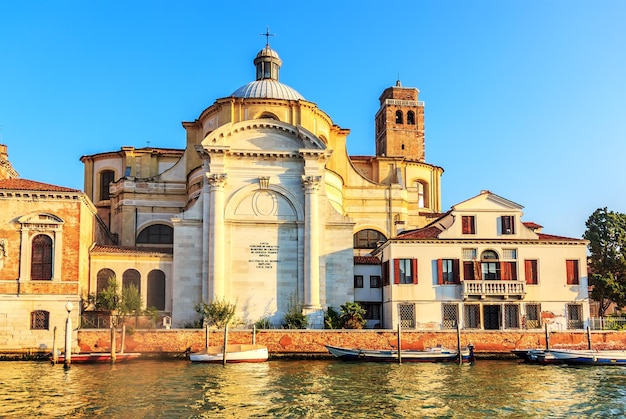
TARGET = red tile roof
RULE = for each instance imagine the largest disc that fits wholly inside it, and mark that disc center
(31, 185)
(366, 260)
(431, 232)
(532, 225)
(552, 237)
(131, 250)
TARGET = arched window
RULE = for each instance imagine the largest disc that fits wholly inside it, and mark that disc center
(399, 119)
(410, 118)
(156, 234)
(131, 277)
(268, 115)
(368, 239)
(103, 278)
(490, 265)
(41, 261)
(421, 194)
(106, 178)
(39, 320)
(156, 289)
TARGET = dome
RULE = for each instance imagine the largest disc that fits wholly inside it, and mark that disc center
(268, 89)
(267, 86)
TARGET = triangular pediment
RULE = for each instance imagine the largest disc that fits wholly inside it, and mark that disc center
(487, 201)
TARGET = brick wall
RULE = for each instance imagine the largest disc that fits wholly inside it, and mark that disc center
(312, 341)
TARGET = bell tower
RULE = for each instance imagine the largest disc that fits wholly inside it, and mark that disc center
(400, 124)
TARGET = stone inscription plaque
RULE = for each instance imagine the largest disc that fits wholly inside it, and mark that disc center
(263, 255)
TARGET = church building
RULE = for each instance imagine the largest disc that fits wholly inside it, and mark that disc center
(263, 207)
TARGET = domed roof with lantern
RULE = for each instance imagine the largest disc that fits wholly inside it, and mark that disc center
(266, 85)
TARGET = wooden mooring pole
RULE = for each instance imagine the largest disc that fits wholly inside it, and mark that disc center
(399, 343)
(588, 338)
(55, 351)
(225, 344)
(113, 343)
(458, 342)
(547, 338)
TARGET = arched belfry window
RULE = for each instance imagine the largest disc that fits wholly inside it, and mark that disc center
(368, 239)
(41, 258)
(410, 118)
(399, 117)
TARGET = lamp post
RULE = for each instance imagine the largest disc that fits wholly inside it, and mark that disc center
(68, 336)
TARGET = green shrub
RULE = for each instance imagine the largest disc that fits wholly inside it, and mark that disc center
(294, 318)
(332, 319)
(352, 316)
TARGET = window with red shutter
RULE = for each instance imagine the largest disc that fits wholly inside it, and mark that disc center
(530, 270)
(467, 222)
(572, 272)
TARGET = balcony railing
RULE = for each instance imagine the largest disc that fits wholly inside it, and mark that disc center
(502, 289)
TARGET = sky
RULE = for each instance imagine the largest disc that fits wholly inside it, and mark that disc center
(525, 98)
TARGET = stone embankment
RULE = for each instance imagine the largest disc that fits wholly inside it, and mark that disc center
(310, 343)
(282, 343)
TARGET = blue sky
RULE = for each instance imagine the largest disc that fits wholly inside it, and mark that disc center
(524, 98)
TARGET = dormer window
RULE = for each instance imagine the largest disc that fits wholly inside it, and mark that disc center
(507, 224)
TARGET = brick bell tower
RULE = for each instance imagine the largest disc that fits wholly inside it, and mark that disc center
(400, 124)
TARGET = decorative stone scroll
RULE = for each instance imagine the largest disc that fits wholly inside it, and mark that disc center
(216, 180)
(311, 183)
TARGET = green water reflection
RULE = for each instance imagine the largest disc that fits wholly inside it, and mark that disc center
(310, 389)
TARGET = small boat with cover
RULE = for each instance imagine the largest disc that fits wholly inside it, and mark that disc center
(234, 353)
(436, 354)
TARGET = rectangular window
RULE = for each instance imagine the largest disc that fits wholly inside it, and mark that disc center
(405, 271)
(472, 316)
(509, 254)
(469, 254)
(450, 316)
(375, 281)
(490, 270)
(468, 224)
(39, 320)
(574, 316)
(358, 281)
(508, 224)
(533, 317)
(511, 316)
(385, 272)
(572, 272)
(372, 310)
(448, 271)
(508, 271)
(530, 268)
(407, 316)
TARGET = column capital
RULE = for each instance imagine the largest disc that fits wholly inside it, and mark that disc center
(216, 180)
(311, 183)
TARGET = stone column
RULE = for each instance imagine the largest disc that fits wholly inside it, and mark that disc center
(205, 236)
(311, 186)
(216, 235)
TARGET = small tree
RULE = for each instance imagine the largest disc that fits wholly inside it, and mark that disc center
(352, 316)
(217, 313)
(294, 318)
(107, 299)
(606, 232)
(130, 302)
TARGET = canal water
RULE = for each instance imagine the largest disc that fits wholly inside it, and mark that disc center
(310, 389)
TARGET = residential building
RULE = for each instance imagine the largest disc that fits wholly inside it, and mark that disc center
(480, 266)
